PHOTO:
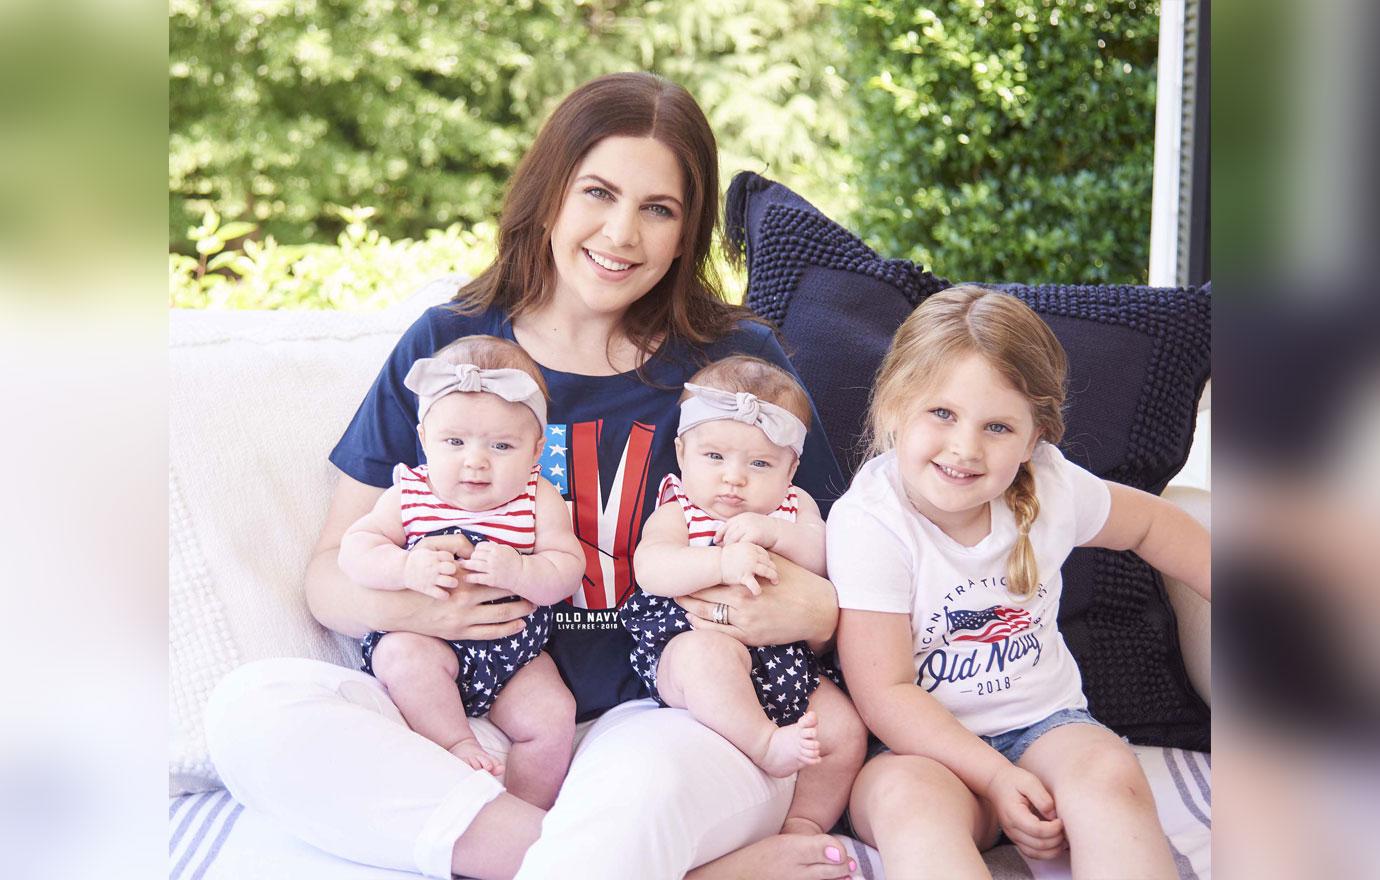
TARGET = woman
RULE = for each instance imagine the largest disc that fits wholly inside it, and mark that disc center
(602, 275)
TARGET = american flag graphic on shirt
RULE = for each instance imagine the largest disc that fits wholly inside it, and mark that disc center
(554, 462)
(988, 625)
(605, 504)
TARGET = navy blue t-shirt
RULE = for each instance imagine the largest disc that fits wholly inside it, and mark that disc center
(609, 441)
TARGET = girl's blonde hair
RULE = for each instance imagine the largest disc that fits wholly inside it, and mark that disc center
(964, 320)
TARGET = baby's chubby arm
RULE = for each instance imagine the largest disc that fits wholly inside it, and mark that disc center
(667, 565)
(802, 541)
(372, 553)
(1163, 535)
(550, 573)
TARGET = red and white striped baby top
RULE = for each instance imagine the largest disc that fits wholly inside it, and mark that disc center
(702, 524)
(513, 523)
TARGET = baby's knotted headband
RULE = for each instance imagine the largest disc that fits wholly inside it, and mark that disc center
(709, 404)
(433, 378)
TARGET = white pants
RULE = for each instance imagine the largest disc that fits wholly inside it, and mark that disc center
(323, 751)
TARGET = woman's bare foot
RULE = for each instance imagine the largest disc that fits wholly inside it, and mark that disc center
(785, 856)
(792, 747)
(471, 752)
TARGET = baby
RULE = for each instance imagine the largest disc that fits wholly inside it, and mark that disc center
(742, 429)
(481, 416)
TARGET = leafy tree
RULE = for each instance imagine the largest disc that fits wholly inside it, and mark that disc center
(1006, 140)
(282, 110)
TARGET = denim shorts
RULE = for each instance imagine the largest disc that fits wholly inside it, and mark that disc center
(1013, 743)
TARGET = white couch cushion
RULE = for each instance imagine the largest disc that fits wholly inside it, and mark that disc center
(256, 401)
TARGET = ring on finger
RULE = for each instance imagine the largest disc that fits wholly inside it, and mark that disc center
(720, 613)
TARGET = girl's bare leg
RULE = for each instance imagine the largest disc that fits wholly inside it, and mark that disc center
(708, 674)
(922, 818)
(419, 672)
(1103, 797)
(537, 712)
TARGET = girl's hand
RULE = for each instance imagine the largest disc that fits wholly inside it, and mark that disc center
(430, 572)
(744, 564)
(494, 565)
(753, 528)
(1025, 810)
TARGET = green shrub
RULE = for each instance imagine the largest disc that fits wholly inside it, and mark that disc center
(1006, 140)
(281, 111)
(362, 271)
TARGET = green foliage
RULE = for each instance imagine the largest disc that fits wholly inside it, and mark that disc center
(1007, 140)
(281, 110)
(362, 271)
(989, 140)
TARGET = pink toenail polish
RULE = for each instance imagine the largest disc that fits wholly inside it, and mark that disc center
(852, 865)
(832, 853)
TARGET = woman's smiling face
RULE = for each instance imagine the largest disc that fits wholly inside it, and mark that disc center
(619, 226)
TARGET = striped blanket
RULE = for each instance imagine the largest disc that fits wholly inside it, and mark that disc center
(215, 838)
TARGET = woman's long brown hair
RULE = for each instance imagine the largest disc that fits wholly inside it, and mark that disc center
(685, 305)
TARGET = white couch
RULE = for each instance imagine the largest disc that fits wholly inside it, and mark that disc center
(257, 401)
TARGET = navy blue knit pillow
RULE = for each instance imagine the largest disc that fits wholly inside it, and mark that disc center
(1138, 361)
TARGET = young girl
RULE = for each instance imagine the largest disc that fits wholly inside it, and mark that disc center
(946, 553)
(742, 429)
(603, 276)
(482, 421)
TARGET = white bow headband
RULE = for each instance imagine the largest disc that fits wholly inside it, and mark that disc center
(434, 378)
(710, 404)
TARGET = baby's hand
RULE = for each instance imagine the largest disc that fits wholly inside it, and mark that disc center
(494, 565)
(430, 571)
(750, 527)
(744, 563)
(1025, 809)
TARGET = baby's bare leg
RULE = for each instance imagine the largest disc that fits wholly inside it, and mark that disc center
(537, 712)
(419, 672)
(709, 674)
(821, 790)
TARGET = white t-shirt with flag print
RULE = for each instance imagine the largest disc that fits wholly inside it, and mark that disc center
(995, 662)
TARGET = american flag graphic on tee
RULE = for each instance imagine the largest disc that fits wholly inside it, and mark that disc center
(988, 625)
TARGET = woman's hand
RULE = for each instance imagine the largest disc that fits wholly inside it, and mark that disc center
(802, 606)
(463, 614)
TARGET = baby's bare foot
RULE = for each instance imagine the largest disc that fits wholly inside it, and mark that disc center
(472, 753)
(792, 747)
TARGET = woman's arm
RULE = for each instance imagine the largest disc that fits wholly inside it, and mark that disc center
(800, 606)
(350, 609)
(1163, 535)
